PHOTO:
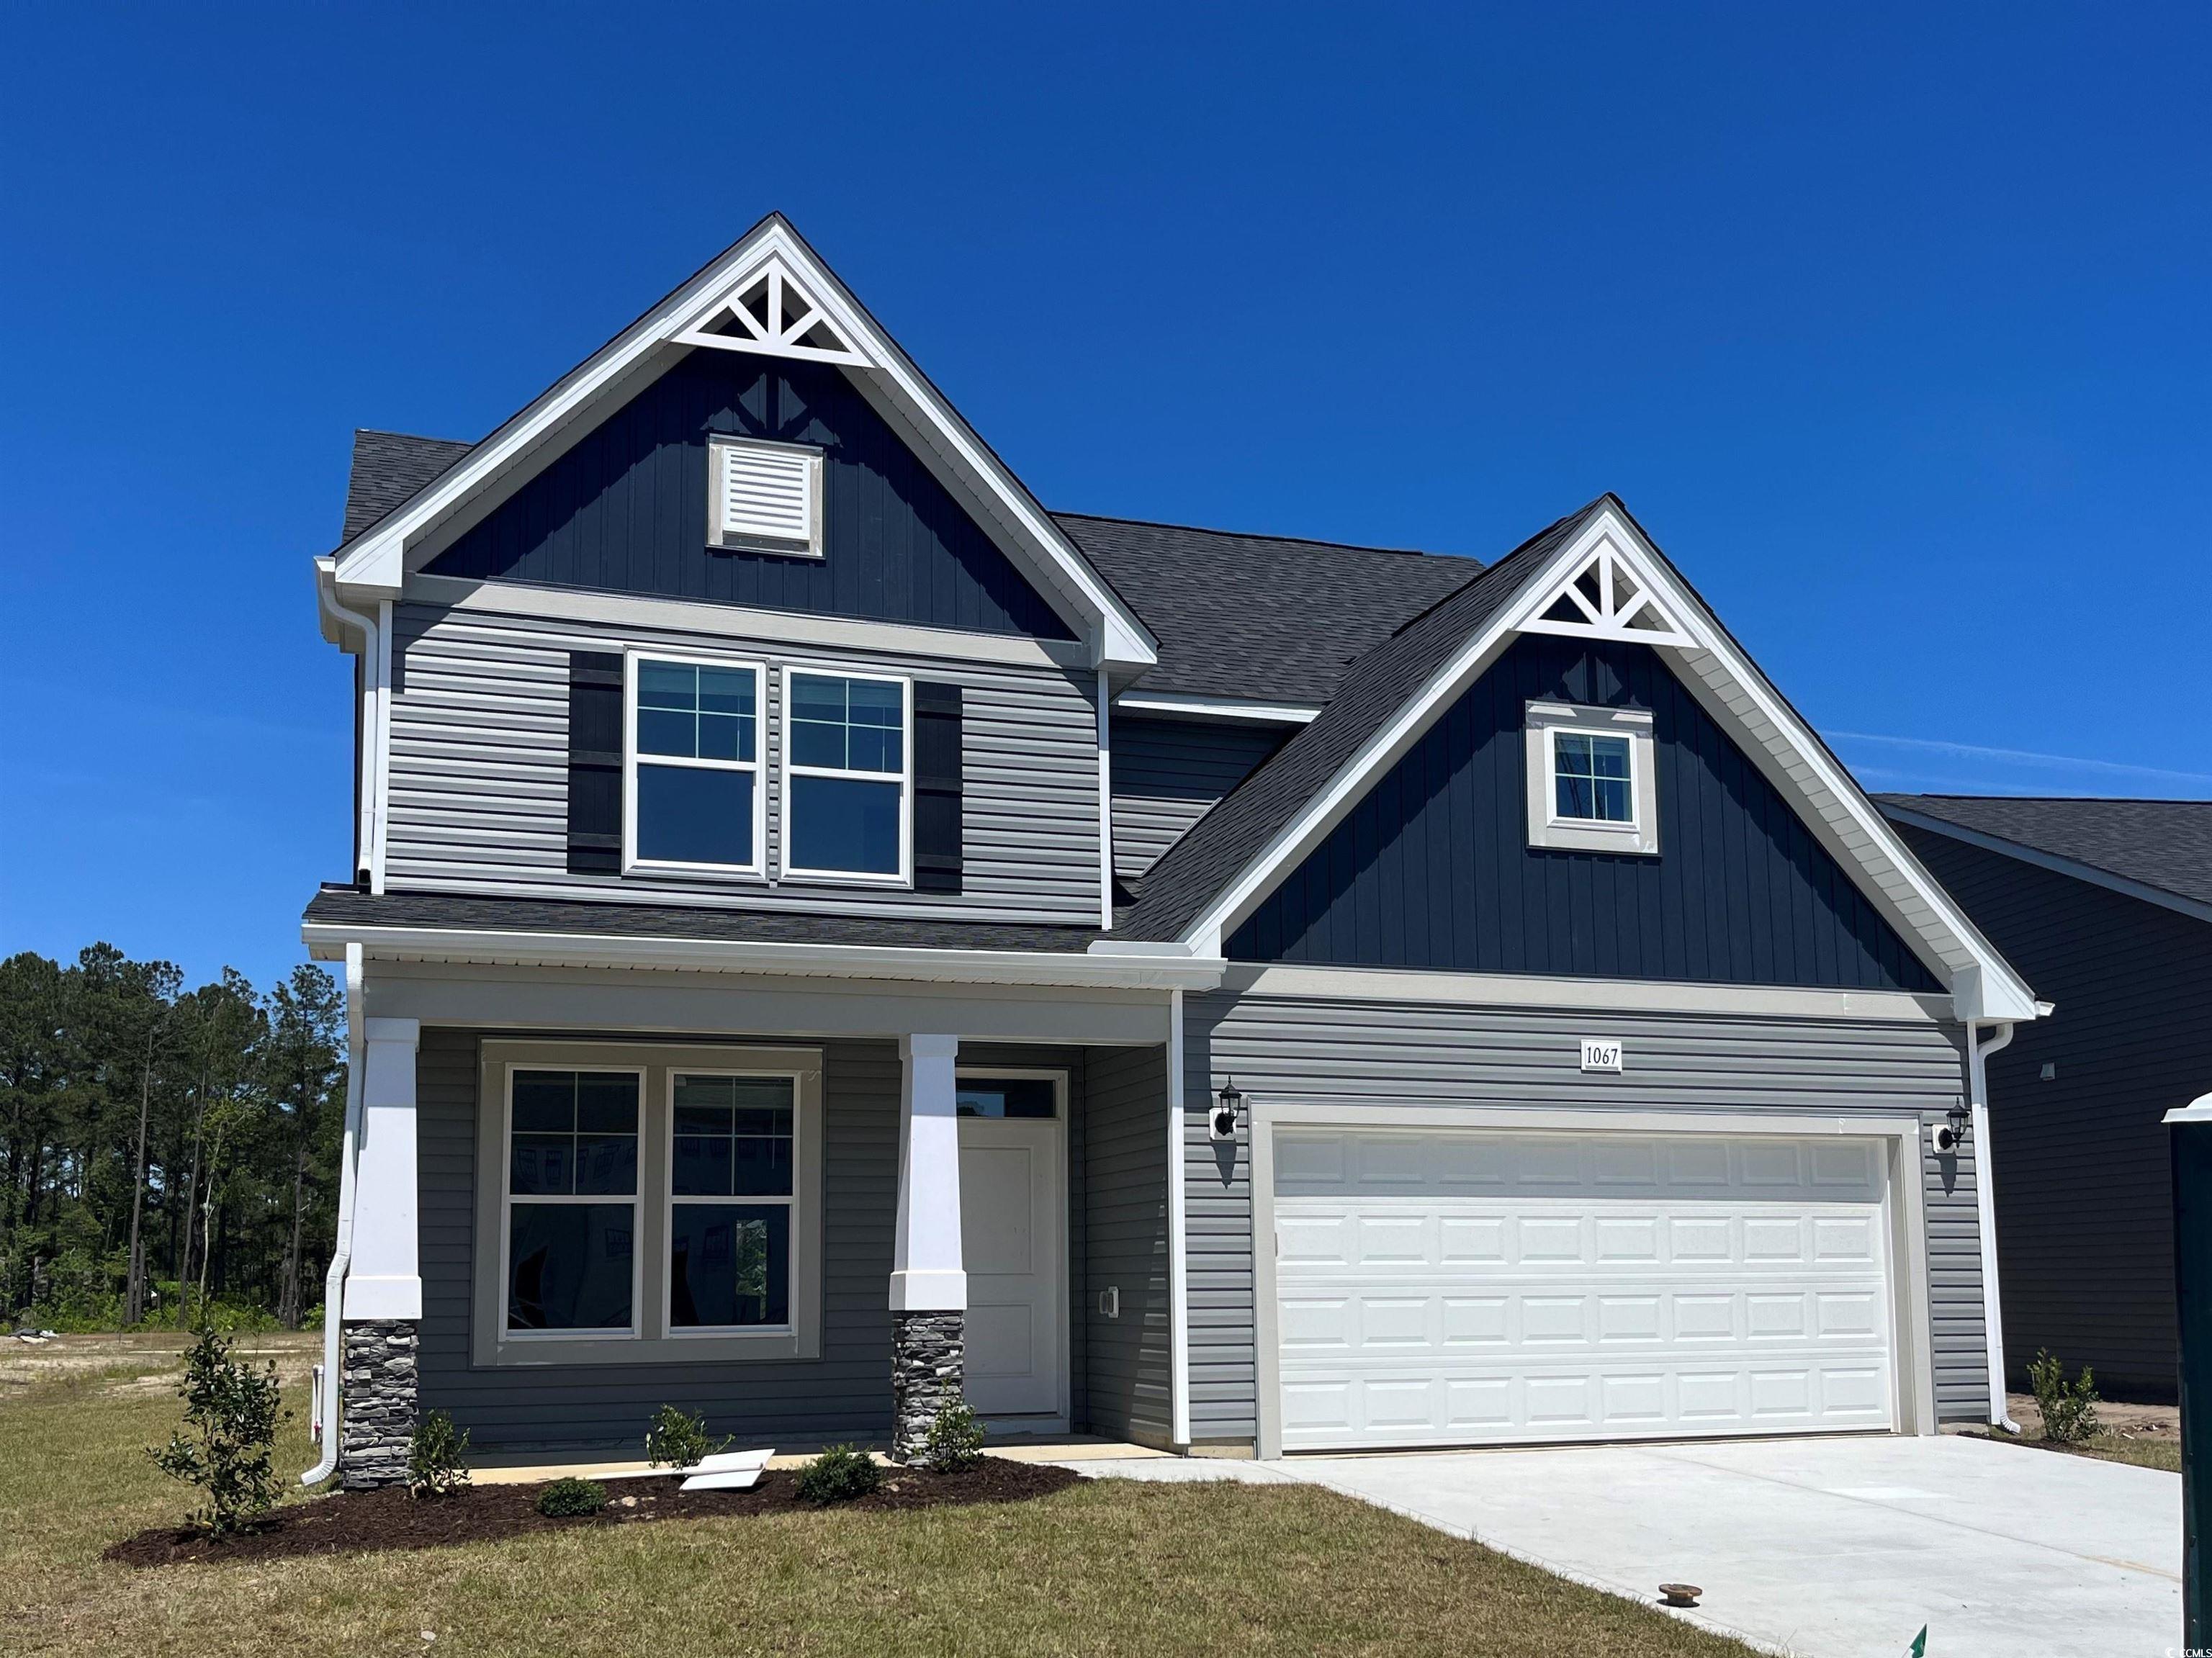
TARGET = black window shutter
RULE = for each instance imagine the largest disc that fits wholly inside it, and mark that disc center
(595, 763)
(936, 788)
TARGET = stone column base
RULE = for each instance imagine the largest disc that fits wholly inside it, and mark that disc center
(376, 1403)
(929, 1361)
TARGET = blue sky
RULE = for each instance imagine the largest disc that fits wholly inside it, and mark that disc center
(1889, 325)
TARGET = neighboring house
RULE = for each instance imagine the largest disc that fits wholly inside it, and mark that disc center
(2107, 906)
(827, 932)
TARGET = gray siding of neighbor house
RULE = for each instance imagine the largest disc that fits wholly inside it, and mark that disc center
(625, 510)
(1339, 1051)
(1125, 1193)
(1433, 868)
(844, 1394)
(479, 789)
(1168, 773)
(2084, 1189)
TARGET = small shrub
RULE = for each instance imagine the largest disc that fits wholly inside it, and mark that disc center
(955, 1441)
(838, 1475)
(437, 1464)
(673, 1440)
(566, 1498)
(2069, 1408)
(231, 1411)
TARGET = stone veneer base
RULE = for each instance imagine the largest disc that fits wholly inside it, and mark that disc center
(928, 1363)
(376, 1403)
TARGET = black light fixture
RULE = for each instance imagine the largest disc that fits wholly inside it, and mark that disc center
(1960, 1117)
(1946, 1137)
(1228, 1106)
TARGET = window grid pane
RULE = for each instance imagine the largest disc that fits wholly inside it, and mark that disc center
(1591, 778)
(733, 1137)
(848, 725)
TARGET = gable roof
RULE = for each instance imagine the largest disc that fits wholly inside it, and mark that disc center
(1235, 616)
(373, 562)
(1235, 855)
(2162, 844)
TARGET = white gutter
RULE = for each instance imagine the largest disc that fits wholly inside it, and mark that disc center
(1178, 1248)
(375, 714)
(1105, 807)
(342, 1256)
(325, 939)
(1985, 1213)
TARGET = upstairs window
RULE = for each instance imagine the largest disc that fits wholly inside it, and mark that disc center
(695, 799)
(847, 776)
(1591, 779)
(764, 497)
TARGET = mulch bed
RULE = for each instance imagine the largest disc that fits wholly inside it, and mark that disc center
(351, 1521)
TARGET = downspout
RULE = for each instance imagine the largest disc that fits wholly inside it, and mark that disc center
(1178, 1252)
(342, 1256)
(375, 646)
(1105, 805)
(1985, 1213)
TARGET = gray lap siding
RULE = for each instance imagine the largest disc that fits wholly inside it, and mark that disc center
(479, 784)
(1314, 1050)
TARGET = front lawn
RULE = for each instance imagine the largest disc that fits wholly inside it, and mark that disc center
(1110, 1567)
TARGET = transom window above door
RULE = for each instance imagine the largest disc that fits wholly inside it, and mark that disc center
(1592, 778)
(1006, 1096)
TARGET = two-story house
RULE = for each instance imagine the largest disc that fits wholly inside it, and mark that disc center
(828, 934)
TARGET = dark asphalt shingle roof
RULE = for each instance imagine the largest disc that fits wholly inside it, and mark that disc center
(2166, 844)
(1177, 889)
(349, 906)
(1246, 615)
(387, 468)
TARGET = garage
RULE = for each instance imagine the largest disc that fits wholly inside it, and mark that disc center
(1460, 1286)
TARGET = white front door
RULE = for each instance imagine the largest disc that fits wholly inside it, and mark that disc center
(1010, 1243)
(1469, 1287)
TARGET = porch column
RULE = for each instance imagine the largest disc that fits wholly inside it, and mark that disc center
(929, 1288)
(384, 1282)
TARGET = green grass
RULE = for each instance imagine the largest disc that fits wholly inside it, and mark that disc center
(2142, 1450)
(1108, 1568)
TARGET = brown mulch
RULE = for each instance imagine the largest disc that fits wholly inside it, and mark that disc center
(351, 1521)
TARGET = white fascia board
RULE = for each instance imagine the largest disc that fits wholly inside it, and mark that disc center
(380, 562)
(1178, 705)
(325, 941)
(1849, 826)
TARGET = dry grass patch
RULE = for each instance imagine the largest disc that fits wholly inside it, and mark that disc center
(1112, 1567)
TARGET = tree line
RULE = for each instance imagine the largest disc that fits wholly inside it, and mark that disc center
(166, 1154)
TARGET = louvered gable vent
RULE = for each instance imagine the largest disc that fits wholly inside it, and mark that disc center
(767, 496)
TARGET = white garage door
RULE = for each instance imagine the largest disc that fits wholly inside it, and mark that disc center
(1471, 1286)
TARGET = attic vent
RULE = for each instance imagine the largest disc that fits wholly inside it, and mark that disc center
(1605, 599)
(770, 313)
(766, 497)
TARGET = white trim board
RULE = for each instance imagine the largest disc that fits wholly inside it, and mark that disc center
(1400, 986)
(1841, 818)
(1179, 705)
(379, 560)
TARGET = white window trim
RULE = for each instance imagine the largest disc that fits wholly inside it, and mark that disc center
(491, 1344)
(757, 765)
(509, 1198)
(720, 537)
(670, 1198)
(1541, 724)
(903, 777)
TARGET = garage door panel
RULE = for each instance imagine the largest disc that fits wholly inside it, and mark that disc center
(1476, 1286)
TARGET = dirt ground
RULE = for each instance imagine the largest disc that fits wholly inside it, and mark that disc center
(144, 1359)
(2136, 1421)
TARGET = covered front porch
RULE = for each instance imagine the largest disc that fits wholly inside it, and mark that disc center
(762, 1201)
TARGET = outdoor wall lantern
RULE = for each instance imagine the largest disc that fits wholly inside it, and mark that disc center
(1946, 1137)
(1228, 1106)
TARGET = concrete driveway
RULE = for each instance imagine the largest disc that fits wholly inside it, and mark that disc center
(1834, 1547)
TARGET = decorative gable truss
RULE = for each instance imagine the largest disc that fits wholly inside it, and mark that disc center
(773, 314)
(1604, 599)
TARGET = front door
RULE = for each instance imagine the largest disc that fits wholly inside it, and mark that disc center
(1011, 1245)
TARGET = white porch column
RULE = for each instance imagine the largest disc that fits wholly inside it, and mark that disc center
(385, 1280)
(926, 1271)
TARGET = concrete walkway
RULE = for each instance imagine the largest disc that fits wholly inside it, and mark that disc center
(1826, 1547)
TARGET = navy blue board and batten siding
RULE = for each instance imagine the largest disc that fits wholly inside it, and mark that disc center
(625, 510)
(1434, 869)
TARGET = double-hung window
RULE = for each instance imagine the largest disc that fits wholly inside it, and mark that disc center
(848, 775)
(1591, 778)
(732, 1169)
(695, 799)
(571, 1201)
